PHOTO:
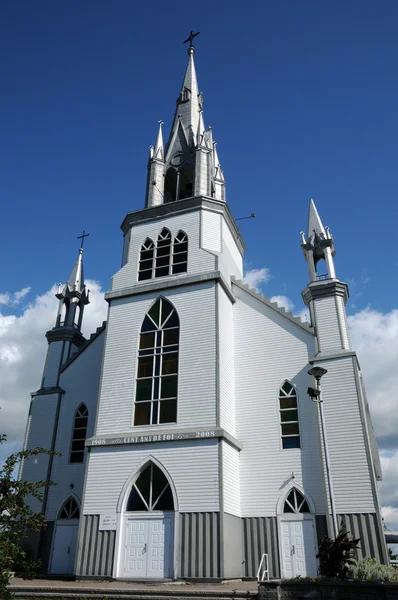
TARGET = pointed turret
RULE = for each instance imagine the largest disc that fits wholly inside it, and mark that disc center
(155, 181)
(73, 297)
(325, 295)
(319, 245)
(314, 222)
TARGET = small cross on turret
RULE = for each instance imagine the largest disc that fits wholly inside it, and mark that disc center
(81, 237)
(190, 38)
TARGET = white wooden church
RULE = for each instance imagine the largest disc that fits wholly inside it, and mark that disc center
(189, 444)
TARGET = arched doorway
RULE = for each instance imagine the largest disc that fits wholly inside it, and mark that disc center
(65, 538)
(298, 546)
(148, 526)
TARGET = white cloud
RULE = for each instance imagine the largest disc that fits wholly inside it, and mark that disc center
(18, 296)
(23, 348)
(4, 298)
(374, 336)
(255, 277)
(283, 301)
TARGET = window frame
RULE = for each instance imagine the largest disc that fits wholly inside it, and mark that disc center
(74, 428)
(175, 243)
(158, 378)
(283, 436)
(147, 241)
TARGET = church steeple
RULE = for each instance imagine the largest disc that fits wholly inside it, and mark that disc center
(73, 297)
(189, 165)
(318, 245)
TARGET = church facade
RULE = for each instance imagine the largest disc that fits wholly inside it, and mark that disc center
(188, 444)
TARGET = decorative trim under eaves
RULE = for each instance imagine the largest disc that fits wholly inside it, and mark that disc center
(243, 286)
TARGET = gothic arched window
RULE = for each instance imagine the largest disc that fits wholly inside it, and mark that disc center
(79, 434)
(180, 253)
(157, 372)
(151, 491)
(163, 253)
(70, 509)
(295, 503)
(289, 416)
(145, 270)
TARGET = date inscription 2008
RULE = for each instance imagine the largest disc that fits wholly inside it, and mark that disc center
(160, 437)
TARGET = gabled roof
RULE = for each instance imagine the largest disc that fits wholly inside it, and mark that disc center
(92, 337)
(288, 315)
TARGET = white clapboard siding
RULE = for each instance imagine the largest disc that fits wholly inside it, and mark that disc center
(52, 364)
(199, 260)
(343, 322)
(192, 466)
(41, 428)
(211, 231)
(269, 349)
(226, 362)
(80, 380)
(197, 360)
(327, 324)
(231, 479)
(230, 260)
(346, 439)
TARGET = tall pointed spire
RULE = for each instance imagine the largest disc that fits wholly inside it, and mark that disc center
(314, 222)
(318, 245)
(159, 151)
(74, 295)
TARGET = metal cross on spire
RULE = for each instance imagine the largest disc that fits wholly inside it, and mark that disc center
(190, 38)
(81, 237)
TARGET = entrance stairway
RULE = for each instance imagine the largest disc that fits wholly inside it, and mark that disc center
(46, 588)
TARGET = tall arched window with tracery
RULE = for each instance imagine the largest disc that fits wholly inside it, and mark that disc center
(180, 253)
(157, 371)
(163, 253)
(288, 410)
(145, 270)
(79, 434)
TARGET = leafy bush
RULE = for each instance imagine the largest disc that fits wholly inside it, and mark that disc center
(336, 556)
(17, 518)
(367, 569)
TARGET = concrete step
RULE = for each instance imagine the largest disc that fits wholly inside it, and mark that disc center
(95, 591)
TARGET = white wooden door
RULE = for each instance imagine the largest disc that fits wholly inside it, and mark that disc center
(64, 549)
(148, 548)
(298, 550)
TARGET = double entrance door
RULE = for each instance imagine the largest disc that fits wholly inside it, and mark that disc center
(298, 548)
(148, 548)
(64, 547)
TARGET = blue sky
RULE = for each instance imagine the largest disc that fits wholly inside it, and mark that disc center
(301, 96)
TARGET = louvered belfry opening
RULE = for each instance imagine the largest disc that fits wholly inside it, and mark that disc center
(151, 491)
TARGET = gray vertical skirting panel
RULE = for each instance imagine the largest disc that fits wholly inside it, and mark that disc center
(199, 545)
(233, 546)
(261, 537)
(321, 527)
(365, 527)
(97, 548)
(45, 546)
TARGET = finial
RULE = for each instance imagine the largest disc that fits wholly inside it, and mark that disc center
(191, 49)
(302, 237)
(160, 122)
(81, 237)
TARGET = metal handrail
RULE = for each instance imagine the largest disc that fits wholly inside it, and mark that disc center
(322, 277)
(265, 571)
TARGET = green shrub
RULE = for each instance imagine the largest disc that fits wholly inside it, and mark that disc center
(367, 569)
(335, 556)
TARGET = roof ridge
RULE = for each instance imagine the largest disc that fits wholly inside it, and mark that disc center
(273, 305)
